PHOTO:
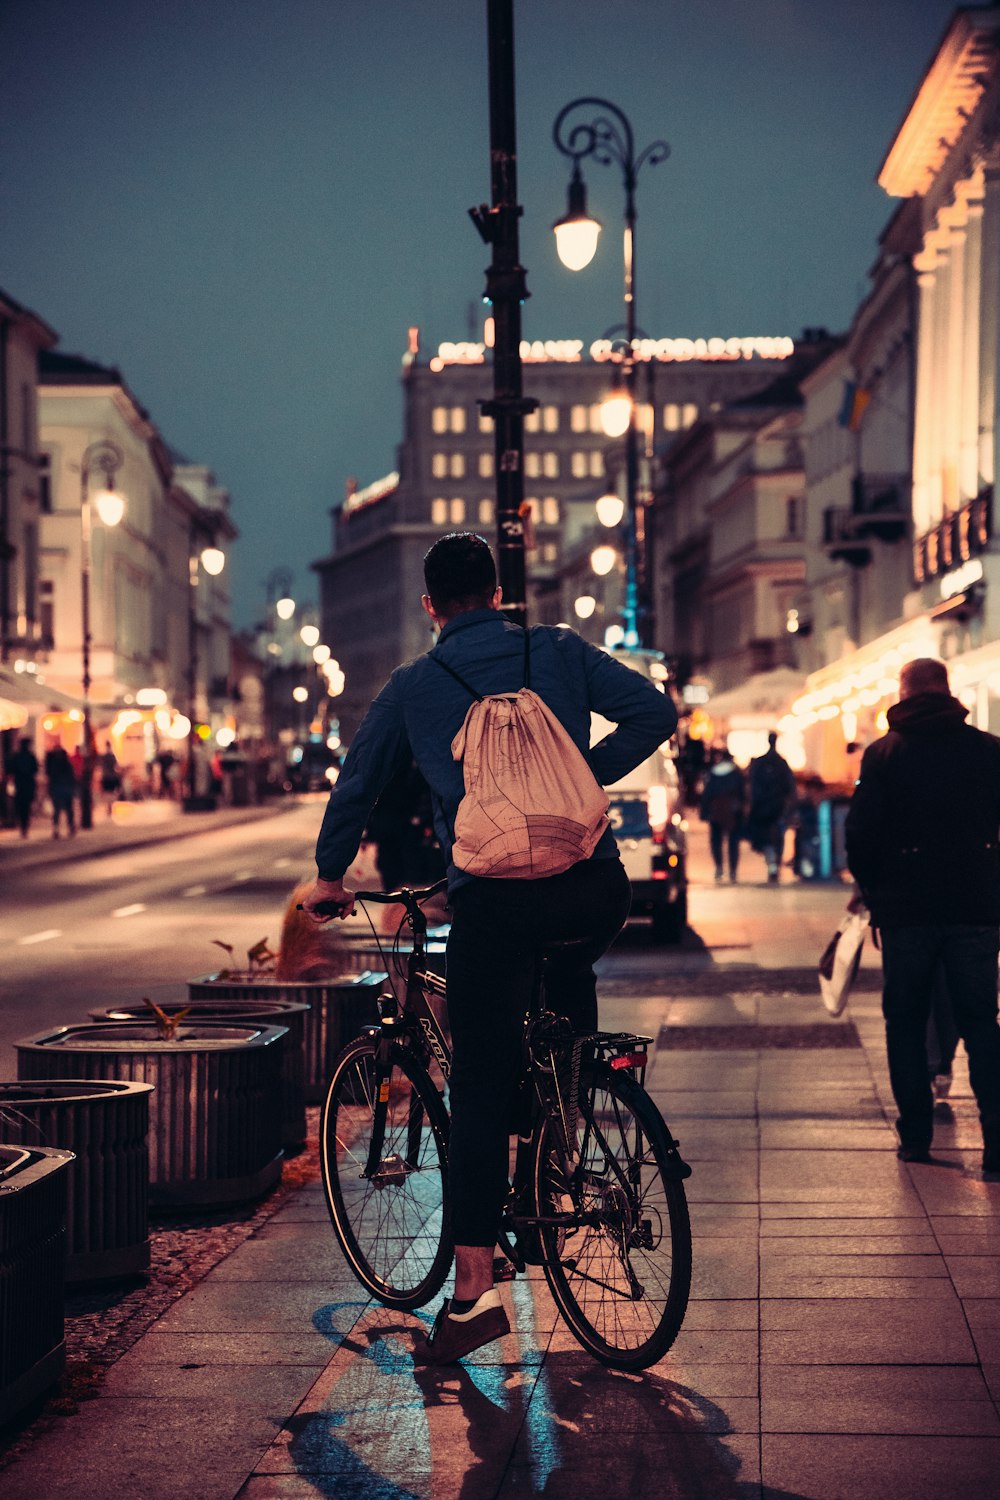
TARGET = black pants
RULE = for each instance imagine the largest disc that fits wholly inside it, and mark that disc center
(720, 838)
(498, 928)
(968, 962)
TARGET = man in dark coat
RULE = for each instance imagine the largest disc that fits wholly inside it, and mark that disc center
(922, 842)
(772, 795)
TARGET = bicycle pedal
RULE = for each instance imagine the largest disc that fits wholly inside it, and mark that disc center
(503, 1269)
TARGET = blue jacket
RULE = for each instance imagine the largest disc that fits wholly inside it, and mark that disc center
(421, 709)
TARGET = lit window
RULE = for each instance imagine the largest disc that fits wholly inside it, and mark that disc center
(550, 418)
(532, 465)
(578, 465)
(439, 512)
(439, 465)
(532, 421)
(596, 425)
(596, 464)
(550, 465)
(458, 419)
(457, 466)
(439, 419)
(486, 465)
(671, 417)
(578, 419)
(485, 423)
(456, 512)
(486, 512)
(550, 552)
(550, 510)
(690, 414)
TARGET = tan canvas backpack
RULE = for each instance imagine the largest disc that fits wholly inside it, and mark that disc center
(532, 805)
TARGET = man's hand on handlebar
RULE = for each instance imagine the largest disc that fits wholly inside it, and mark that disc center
(328, 898)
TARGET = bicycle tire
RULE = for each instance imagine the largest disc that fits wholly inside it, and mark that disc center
(621, 1284)
(392, 1227)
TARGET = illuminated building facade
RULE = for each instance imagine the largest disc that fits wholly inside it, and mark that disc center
(902, 429)
(444, 480)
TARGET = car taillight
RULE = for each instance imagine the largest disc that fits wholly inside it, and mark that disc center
(658, 810)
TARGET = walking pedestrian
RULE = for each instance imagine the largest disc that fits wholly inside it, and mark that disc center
(23, 767)
(111, 778)
(923, 843)
(499, 925)
(772, 794)
(62, 788)
(723, 804)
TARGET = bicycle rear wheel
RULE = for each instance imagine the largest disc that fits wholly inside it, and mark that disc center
(619, 1263)
(391, 1224)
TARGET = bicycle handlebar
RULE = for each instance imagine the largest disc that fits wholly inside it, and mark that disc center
(406, 896)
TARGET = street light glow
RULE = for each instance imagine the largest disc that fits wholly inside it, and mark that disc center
(110, 506)
(616, 413)
(585, 606)
(285, 608)
(309, 635)
(321, 654)
(577, 232)
(602, 560)
(213, 560)
(610, 509)
(300, 694)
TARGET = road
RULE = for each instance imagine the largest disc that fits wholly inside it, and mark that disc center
(84, 931)
(90, 932)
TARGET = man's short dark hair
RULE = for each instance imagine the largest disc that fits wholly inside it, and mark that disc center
(460, 574)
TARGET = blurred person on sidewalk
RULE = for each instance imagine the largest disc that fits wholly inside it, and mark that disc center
(923, 843)
(723, 802)
(772, 795)
(62, 788)
(23, 767)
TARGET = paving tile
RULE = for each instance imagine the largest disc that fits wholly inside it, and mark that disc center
(303, 1347)
(776, 1269)
(846, 1213)
(725, 1313)
(30, 1479)
(907, 1468)
(975, 1275)
(847, 1246)
(886, 1400)
(924, 1289)
(838, 1331)
(725, 1268)
(984, 1320)
(229, 1307)
(833, 1225)
(825, 1134)
(263, 1385)
(712, 1380)
(681, 1467)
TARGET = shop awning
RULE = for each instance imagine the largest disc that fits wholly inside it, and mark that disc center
(21, 698)
(764, 696)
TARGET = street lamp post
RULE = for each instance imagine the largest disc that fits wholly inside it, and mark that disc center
(608, 138)
(107, 458)
(213, 560)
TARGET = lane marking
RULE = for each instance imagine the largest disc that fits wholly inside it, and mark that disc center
(244, 874)
(282, 864)
(40, 937)
(129, 911)
(195, 890)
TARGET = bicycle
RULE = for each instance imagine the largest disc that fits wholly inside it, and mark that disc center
(597, 1196)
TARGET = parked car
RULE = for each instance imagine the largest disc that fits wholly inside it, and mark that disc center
(647, 817)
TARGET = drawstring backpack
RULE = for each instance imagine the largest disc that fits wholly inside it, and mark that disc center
(532, 805)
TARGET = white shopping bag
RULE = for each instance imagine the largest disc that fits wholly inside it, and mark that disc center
(841, 959)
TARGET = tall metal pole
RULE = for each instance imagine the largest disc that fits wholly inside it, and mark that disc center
(107, 457)
(608, 138)
(506, 290)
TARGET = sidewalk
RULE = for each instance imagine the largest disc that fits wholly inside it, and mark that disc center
(842, 1341)
(133, 824)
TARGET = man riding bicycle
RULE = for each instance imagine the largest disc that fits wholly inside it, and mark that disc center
(499, 926)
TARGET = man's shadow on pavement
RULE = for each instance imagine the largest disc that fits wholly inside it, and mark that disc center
(563, 1427)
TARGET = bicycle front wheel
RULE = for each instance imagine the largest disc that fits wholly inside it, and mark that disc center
(390, 1214)
(618, 1262)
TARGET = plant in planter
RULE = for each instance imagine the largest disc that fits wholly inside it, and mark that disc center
(313, 966)
(215, 1116)
(105, 1124)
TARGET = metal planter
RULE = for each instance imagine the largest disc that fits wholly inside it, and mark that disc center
(338, 1009)
(32, 1250)
(287, 1013)
(215, 1118)
(106, 1126)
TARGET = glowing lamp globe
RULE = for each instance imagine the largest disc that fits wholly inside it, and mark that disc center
(610, 509)
(602, 560)
(110, 506)
(616, 414)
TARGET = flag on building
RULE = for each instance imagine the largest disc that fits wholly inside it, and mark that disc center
(852, 409)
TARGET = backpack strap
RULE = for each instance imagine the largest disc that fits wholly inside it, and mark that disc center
(471, 690)
(460, 680)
